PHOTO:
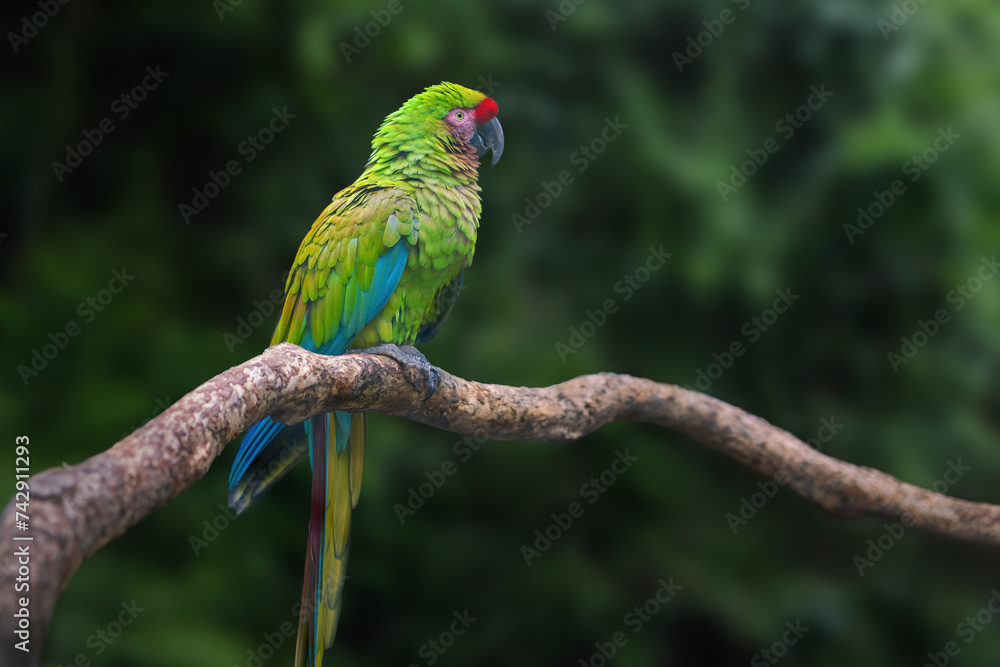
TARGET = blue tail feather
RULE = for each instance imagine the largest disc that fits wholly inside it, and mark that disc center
(268, 451)
(256, 439)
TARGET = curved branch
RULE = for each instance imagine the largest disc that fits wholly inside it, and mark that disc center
(76, 510)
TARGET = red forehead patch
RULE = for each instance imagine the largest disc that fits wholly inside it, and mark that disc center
(486, 110)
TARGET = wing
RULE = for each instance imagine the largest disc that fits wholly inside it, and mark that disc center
(346, 269)
(444, 301)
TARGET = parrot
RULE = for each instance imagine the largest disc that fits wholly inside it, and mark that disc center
(377, 272)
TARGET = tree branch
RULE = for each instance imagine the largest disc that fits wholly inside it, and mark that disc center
(75, 510)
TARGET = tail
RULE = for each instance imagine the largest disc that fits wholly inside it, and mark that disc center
(335, 489)
(263, 459)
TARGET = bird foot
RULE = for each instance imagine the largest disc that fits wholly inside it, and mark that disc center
(412, 358)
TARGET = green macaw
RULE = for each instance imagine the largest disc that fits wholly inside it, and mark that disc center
(380, 268)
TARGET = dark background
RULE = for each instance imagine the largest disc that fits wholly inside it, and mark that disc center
(656, 184)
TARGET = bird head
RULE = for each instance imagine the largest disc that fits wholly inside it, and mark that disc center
(475, 123)
(460, 119)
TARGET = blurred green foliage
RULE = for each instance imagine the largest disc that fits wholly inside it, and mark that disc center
(655, 184)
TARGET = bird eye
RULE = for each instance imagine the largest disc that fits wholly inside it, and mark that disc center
(459, 115)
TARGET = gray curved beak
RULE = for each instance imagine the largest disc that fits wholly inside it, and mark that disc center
(489, 137)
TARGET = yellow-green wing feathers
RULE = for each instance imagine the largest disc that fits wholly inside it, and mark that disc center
(330, 287)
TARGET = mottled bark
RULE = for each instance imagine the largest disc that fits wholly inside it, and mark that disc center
(75, 510)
